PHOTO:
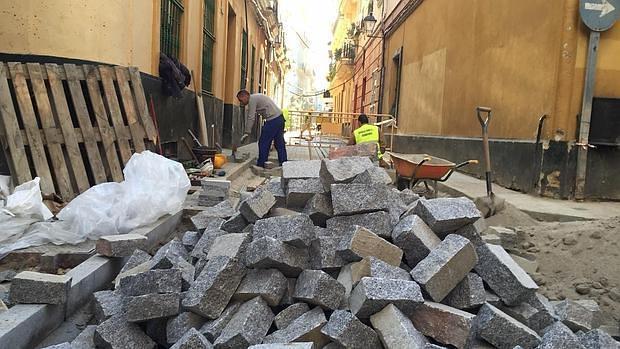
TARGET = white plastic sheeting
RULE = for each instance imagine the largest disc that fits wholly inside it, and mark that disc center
(154, 186)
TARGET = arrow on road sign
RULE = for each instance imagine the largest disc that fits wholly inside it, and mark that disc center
(605, 8)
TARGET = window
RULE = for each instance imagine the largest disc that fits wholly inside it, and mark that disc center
(244, 60)
(260, 75)
(170, 36)
(252, 69)
(208, 41)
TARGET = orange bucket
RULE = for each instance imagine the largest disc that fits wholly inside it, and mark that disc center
(219, 161)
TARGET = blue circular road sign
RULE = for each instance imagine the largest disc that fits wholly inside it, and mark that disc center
(599, 15)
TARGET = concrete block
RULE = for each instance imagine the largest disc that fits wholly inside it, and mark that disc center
(318, 288)
(361, 242)
(396, 330)
(323, 254)
(190, 239)
(597, 339)
(468, 294)
(373, 294)
(270, 284)
(86, 339)
(445, 215)
(235, 224)
(151, 306)
(558, 335)
(581, 315)
(445, 266)
(300, 170)
(319, 209)
(165, 257)
(304, 345)
(192, 339)
(267, 252)
(503, 275)
(376, 268)
(117, 333)
(247, 327)
(178, 325)
(188, 272)
(214, 287)
(415, 238)
(444, 324)
(306, 328)
(29, 287)
(222, 210)
(205, 243)
(290, 313)
(345, 329)
(396, 206)
(203, 222)
(213, 328)
(300, 191)
(373, 175)
(257, 205)
(536, 313)
(152, 281)
(137, 257)
(215, 187)
(343, 170)
(296, 230)
(351, 199)
(275, 186)
(121, 245)
(501, 330)
(106, 304)
(229, 245)
(377, 222)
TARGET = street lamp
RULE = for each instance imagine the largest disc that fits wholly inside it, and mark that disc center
(369, 24)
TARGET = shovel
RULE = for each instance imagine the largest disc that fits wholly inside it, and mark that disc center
(488, 205)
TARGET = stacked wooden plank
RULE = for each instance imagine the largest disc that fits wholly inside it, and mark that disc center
(72, 126)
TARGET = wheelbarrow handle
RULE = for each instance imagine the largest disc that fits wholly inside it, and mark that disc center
(483, 110)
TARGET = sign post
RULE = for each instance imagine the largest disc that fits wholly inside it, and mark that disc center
(598, 16)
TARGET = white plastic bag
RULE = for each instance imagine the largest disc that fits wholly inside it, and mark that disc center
(27, 201)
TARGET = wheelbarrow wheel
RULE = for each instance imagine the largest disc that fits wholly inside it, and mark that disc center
(402, 183)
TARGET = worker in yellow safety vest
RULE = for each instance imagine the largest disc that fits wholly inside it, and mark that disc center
(367, 133)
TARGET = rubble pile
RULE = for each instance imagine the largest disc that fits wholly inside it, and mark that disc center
(359, 264)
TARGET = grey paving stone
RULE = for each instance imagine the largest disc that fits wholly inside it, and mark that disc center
(527, 315)
(318, 288)
(300, 170)
(345, 329)
(106, 304)
(214, 287)
(343, 170)
(188, 272)
(206, 241)
(501, 330)
(351, 199)
(290, 313)
(408, 196)
(503, 275)
(151, 306)
(213, 328)
(30, 287)
(178, 325)
(305, 345)
(445, 215)
(152, 281)
(192, 339)
(361, 242)
(371, 295)
(275, 186)
(345, 278)
(598, 339)
(190, 239)
(373, 175)
(468, 294)
(117, 333)
(270, 284)
(257, 205)
(296, 230)
(267, 252)
(121, 245)
(558, 335)
(582, 315)
(156, 329)
(300, 191)
(319, 209)
(235, 224)
(229, 245)
(396, 206)
(545, 313)
(323, 254)
(492, 298)
(377, 222)
(473, 231)
(65, 345)
(215, 187)
(203, 222)
(376, 268)
(247, 327)
(396, 330)
(415, 238)
(86, 338)
(166, 255)
(288, 298)
(444, 324)
(445, 266)
(306, 328)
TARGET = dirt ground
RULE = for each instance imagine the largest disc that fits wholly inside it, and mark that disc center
(577, 260)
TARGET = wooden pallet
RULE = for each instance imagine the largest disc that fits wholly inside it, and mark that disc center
(73, 126)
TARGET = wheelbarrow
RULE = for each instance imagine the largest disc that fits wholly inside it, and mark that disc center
(412, 169)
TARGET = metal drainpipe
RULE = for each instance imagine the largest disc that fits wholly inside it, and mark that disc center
(382, 88)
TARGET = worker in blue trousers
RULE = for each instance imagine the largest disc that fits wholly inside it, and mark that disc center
(273, 129)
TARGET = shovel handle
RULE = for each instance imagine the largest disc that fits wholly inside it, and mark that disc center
(484, 122)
